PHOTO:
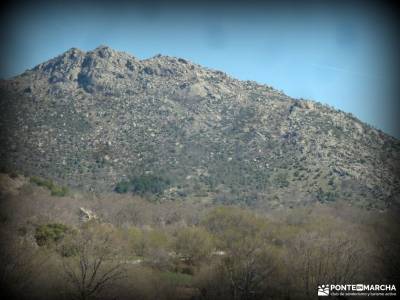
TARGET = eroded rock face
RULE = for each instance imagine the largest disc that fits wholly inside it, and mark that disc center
(91, 119)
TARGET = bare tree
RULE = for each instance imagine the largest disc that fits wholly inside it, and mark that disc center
(387, 244)
(18, 262)
(249, 274)
(92, 266)
(315, 258)
(247, 264)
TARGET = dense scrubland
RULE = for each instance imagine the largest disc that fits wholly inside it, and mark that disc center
(134, 247)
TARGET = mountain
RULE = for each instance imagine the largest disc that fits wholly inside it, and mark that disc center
(91, 120)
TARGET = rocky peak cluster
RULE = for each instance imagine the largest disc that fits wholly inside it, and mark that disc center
(93, 119)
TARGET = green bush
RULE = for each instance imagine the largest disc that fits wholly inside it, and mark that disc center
(41, 182)
(177, 279)
(50, 234)
(56, 190)
(59, 191)
(281, 179)
(326, 196)
(149, 183)
(122, 187)
(144, 184)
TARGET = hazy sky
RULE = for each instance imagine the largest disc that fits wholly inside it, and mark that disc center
(343, 55)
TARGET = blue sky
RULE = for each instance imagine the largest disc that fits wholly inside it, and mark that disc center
(344, 56)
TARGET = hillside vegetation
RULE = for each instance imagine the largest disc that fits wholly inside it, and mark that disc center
(161, 179)
(135, 249)
(97, 120)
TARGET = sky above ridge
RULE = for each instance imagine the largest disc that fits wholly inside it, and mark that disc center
(343, 55)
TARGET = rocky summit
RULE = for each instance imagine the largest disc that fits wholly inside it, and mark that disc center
(91, 120)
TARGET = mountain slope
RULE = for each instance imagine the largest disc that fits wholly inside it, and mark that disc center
(92, 119)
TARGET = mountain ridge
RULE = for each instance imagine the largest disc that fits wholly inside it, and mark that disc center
(92, 119)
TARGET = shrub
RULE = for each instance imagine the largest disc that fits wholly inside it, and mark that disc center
(193, 244)
(149, 183)
(281, 180)
(41, 182)
(59, 191)
(177, 279)
(325, 196)
(56, 190)
(13, 175)
(144, 184)
(122, 187)
(49, 234)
